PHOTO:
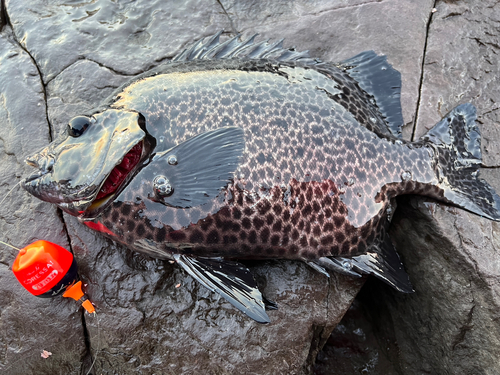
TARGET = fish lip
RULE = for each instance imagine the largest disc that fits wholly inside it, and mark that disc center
(35, 175)
(33, 184)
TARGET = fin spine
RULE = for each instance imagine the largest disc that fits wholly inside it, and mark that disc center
(213, 49)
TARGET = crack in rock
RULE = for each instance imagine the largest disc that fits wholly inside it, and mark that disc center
(422, 68)
(228, 17)
(44, 88)
(453, 14)
(4, 19)
(466, 327)
(5, 22)
(87, 358)
(349, 6)
(98, 63)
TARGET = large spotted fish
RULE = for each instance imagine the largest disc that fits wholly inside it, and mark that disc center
(243, 150)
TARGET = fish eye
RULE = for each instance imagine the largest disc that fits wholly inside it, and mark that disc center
(78, 125)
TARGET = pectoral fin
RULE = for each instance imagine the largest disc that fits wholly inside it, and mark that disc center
(194, 172)
(231, 280)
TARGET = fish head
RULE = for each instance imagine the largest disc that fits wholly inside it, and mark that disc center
(89, 162)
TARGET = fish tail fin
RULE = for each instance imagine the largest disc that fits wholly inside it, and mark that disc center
(458, 143)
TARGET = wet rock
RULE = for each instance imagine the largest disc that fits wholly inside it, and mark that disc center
(461, 65)
(354, 348)
(128, 38)
(3, 20)
(78, 90)
(29, 325)
(336, 30)
(151, 316)
(449, 324)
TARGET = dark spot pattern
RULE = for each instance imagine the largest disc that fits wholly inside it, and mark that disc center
(316, 177)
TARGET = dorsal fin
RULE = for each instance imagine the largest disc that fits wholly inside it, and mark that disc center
(213, 49)
(379, 79)
(372, 73)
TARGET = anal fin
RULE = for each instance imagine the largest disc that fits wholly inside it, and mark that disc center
(336, 264)
(232, 280)
(383, 263)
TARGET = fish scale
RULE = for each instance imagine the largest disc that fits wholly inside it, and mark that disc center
(298, 160)
(252, 151)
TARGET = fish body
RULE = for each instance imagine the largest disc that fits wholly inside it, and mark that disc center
(238, 150)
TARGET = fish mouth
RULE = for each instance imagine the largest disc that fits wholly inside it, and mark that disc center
(91, 201)
(116, 179)
(95, 199)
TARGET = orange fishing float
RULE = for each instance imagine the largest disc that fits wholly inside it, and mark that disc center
(46, 270)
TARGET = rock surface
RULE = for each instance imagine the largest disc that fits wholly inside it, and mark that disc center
(449, 326)
(28, 324)
(60, 59)
(355, 347)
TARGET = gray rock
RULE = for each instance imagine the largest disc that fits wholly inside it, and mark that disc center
(154, 318)
(29, 324)
(3, 20)
(449, 325)
(354, 346)
(78, 89)
(336, 30)
(128, 38)
(461, 65)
